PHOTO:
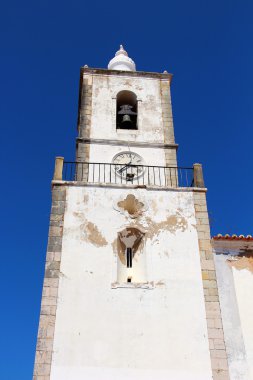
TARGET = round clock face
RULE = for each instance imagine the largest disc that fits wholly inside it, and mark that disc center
(128, 165)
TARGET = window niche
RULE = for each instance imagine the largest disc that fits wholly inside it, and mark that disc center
(126, 112)
(131, 261)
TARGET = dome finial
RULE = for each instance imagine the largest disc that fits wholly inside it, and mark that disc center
(121, 51)
(121, 61)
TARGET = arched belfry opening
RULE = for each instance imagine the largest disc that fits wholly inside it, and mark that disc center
(127, 112)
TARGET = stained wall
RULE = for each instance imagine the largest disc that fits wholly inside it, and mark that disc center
(99, 140)
(103, 118)
(107, 329)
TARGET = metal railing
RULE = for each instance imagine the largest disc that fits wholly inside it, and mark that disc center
(106, 173)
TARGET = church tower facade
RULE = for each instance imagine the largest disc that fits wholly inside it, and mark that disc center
(130, 289)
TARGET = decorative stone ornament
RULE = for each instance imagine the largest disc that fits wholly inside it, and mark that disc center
(131, 206)
(121, 61)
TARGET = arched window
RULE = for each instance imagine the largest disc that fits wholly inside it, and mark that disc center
(126, 115)
(131, 256)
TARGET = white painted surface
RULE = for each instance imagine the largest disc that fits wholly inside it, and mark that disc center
(237, 359)
(243, 280)
(105, 153)
(127, 333)
(121, 61)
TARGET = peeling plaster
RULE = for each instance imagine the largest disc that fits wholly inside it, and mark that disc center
(242, 261)
(173, 311)
(93, 235)
(172, 224)
(130, 238)
(160, 283)
(119, 247)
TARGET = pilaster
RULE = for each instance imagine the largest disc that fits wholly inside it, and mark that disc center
(217, 345)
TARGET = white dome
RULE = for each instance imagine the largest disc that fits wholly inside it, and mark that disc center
(121, 61)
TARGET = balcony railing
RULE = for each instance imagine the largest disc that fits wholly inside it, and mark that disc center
(106, 173)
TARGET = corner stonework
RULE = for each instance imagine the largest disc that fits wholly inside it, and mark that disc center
(84, 119)
(44, 349)
(217, 346)
(169, 138)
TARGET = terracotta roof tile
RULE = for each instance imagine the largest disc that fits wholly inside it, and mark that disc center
(233, 237)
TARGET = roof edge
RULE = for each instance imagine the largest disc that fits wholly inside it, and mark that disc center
(97, 71)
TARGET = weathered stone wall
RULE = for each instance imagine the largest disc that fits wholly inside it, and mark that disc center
(153, 100)
(97, 117)
(107, 329)
(85, 231)
(84, 116)
(167, 113)
(45, 340)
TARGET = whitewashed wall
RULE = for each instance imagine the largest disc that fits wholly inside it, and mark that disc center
(243, 280)
(236, 301)
(105, 153)
(237, 360)
(148, 92)
(130, 333)
(103, 118)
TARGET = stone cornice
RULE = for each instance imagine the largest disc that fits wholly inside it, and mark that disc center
(94, 71)
(125, 143)
(128, 186)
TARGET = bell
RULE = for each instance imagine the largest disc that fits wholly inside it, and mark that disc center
(126, 111)
(126, 120)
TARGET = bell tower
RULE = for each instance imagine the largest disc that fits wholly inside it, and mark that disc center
(121, 109)
(130, 289)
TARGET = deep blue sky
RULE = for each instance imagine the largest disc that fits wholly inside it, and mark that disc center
(207, 45)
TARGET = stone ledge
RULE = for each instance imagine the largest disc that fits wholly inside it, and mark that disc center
(98, 71)
(132, 285)
(119, 185)
(126, 143)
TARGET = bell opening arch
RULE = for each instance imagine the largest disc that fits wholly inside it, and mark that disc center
(126, 110)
